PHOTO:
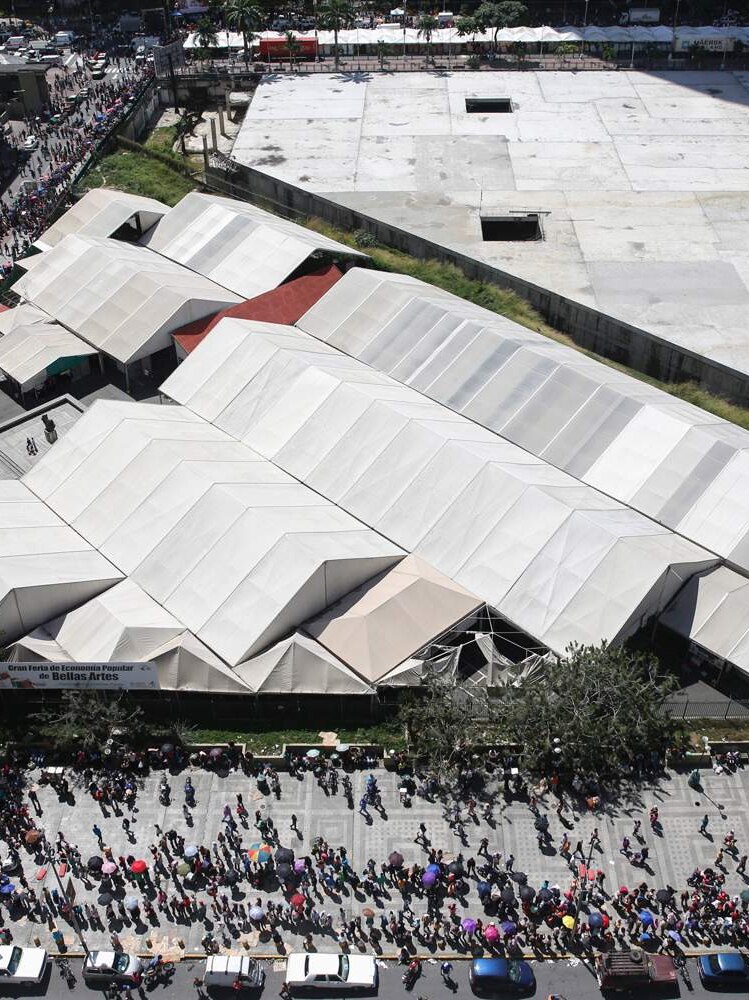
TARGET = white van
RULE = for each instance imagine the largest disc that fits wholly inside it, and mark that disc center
(225, 970)
(51, 60)
(16, 42)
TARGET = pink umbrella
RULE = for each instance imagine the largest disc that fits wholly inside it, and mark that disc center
(109, 867)
(299, 866)
(491, 933)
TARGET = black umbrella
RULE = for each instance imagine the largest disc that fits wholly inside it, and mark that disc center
(105, 899)
(284, 872)
(527, 893)
(230, 878)
(520, 877)
(508, 895)
(455, 868)
(663, 895)
(284, 855)
(395, 859)
(94, 864)
(167, 748)
(546, 894)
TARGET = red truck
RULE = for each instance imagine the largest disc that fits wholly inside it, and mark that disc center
(277, 48)
(630, 970)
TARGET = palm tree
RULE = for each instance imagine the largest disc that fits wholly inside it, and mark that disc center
(335, 15)
(383, 51)
(206, 36)
(293, 47)
(244, 16)
(427, 25)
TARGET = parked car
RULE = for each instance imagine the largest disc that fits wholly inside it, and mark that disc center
(490, 977)
(226, 970)
(22, 965)
(331, 972)
(112, 967)
(723, 968)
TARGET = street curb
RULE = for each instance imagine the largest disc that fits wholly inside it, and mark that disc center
(444, 956)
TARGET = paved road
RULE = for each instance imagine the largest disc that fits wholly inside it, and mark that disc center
(673, 855)
(572, 979)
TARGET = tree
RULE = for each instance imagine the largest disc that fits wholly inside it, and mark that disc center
(466, 26)
(603, 703)
(335, 16)
(293, 47)
(441, 719)
(86, 718)
(519, 50)
(383, 51)
(244, 16)
(206, 35)
(426, 26)
(565, 49)
(497, 16)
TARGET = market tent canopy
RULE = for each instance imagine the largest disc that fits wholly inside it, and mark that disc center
(28, 354)
(299, 665)
(713, 611)
(233, 547)
(123, 300)
(557, 558)
(383, 622)
(46, 568)
(672, 461)
(237, 245)
(124, 624)
(102, 212)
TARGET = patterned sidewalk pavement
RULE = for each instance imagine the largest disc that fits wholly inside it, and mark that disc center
(674, 854)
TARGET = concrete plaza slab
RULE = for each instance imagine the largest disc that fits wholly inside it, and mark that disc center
(674, 853)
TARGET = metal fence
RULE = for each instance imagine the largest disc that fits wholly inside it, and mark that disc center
(727, 709)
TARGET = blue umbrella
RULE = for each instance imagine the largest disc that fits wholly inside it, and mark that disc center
(508, 927)
(646, 918)
(674, 935)
(595, 920)
(435, 869)
(483, 888)
(7, 889)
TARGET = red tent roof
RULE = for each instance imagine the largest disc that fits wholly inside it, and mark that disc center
(285, 305)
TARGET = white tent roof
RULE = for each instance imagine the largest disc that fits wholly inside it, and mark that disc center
(234, 548)
(23, 315)
(28, 351)
(122, 299)
(125, 625)
(668, 459)
(383, 622)
(299, 665)
(46, 568)
(713, 611)
(236, 244)
(101, 212)
(559, 559)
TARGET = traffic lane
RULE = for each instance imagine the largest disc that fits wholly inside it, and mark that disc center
(573, 979)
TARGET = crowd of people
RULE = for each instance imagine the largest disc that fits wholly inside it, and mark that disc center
(65, 143)
(247, 878)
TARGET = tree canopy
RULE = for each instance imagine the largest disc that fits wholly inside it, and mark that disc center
(246, 17)
(604, 704)
(335, 15)
(86, 718)
(505, 14)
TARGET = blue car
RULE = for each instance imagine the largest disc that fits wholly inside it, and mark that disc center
(724, 968)
(490, 977)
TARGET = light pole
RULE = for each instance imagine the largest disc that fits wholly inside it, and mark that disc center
(73, 914)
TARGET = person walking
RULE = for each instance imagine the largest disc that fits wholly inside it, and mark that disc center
(98, 834)
(703, 824)
(741, 866)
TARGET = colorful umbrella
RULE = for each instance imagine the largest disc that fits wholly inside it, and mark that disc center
(491, 933)
(297, 900)
(183, 868)
(109, 867)
(508, 927)
(595, 920)
(469, 925)
(260, 853)
(299, 866)
(428, 878)
(32, 836)
(395, 859)
(646, 918)
(137, 867)
(434, 868)
(569, 922)
(7, 889)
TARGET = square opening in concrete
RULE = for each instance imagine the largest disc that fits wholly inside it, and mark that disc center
(511, 228)
(489, 105)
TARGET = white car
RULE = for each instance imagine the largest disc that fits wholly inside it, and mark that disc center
(331, 972)
(112, 967)
(22, 965)
(30, 143)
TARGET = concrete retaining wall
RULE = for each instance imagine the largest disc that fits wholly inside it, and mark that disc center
(589, 328)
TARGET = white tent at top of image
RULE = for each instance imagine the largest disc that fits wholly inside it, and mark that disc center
(559, 559)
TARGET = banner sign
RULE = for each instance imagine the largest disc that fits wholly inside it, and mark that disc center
(104, 676)
(162, 54)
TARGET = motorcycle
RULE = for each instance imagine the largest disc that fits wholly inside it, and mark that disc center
(411, 974)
